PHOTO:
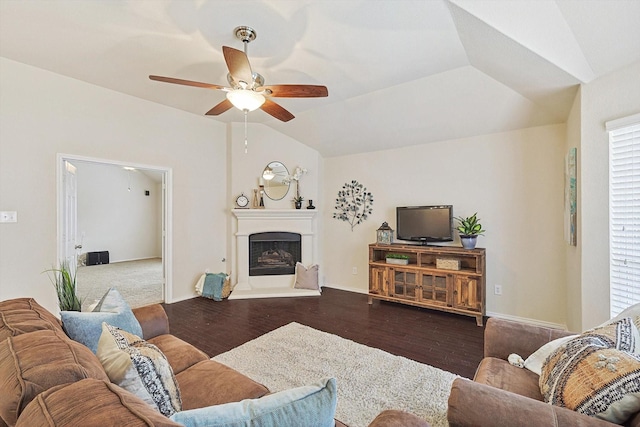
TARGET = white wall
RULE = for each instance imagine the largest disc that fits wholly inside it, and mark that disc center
(43, 114)
(610, 97)
(514, 180)
(115, 215)
(573, 253)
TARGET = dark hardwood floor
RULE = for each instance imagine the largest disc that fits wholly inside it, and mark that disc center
(447, 341)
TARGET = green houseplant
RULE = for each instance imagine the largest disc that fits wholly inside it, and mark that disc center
(401, 259)
(298, 201)
(64, 281)
(469, 229)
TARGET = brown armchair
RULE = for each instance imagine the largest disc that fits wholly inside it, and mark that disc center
(502, 395)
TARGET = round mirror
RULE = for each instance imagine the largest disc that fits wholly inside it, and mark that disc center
(275, 184)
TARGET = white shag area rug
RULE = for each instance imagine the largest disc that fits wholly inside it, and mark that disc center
(369, 380)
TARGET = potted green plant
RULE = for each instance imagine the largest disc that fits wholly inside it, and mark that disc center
(400, 259)
(469, 229)
(64, 280)
(298, 201)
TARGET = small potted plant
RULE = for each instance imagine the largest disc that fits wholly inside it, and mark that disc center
(469, 229)
(298, 201)
(64, 280)
(400, 259)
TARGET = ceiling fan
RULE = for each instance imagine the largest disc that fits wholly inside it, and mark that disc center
(247, 90)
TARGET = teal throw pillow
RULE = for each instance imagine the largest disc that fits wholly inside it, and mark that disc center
(86, 326)
(310, 406)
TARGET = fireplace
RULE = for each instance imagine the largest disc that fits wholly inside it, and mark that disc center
(281, 237)
(273, 253)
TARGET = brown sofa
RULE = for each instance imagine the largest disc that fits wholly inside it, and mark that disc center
(48, 379)
(502, 395)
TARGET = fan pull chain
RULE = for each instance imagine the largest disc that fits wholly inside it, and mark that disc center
(245, 131)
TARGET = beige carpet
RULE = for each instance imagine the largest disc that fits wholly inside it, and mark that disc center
(369, 379)
(139, 282)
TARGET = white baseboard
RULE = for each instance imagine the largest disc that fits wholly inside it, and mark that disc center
(135, 259)
(527, 320)
(346, 288)
(184, 298)
(273, 293)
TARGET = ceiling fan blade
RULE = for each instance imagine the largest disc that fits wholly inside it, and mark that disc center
(238, 65)
(220, 108)
(186, 82)
(276, 111)
(296, 91)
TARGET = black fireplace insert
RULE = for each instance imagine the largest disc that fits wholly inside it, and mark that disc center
(274, 253)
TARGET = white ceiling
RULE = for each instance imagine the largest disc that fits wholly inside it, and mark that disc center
(399, 72)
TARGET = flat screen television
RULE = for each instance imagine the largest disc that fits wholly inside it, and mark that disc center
(425, 224)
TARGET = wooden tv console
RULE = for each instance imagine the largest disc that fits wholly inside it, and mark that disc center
(445, 278)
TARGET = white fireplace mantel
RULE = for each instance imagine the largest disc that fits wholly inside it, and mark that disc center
(251, 221)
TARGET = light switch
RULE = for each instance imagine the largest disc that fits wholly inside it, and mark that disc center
(8, 216)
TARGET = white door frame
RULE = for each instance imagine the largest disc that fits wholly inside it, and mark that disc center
(69, 226)
(167, 229)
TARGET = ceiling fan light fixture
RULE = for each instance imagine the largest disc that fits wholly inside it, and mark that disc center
(246, 89)
(245, 99)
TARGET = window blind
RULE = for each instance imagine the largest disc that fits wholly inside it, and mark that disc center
(624, 215)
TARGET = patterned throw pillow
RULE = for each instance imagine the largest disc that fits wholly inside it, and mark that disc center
(535, 361)
(596, 373)
(139, 367)
(633, 311)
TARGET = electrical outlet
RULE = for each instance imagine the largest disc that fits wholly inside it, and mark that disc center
(8, 216)
(354, 270)
(497, 289)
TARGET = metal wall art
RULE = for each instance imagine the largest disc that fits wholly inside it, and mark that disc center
(353, 204)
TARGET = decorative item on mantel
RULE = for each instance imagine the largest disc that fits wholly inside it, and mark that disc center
(261, 205)
(469, 229)
(384, 234)
(311, 205)
(255, 203)
(242, 201)
(354, 203)
(297, 174)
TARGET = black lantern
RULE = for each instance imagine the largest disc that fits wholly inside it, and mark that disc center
(384, 234)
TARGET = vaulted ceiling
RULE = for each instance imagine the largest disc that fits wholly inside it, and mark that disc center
(399, 72)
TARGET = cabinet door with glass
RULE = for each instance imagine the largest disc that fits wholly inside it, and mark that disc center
(434, 289)
(467, 293)
(379, 280)
(404, 284)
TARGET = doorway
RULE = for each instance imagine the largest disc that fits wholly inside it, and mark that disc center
(113, 196)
